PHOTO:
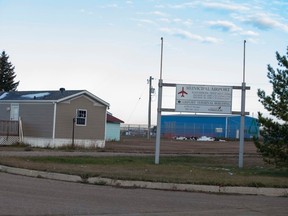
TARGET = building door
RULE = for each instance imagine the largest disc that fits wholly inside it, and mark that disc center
(14, 112)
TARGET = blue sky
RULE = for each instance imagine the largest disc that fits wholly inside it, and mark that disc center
(110, 48)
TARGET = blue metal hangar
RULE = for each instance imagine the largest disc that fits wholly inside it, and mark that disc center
(218, 126)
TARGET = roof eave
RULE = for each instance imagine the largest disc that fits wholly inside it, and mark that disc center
(27, 101)
(85, 92)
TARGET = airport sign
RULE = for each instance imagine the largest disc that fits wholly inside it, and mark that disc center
(203, 99)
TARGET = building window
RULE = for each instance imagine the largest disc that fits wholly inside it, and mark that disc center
(81, 117)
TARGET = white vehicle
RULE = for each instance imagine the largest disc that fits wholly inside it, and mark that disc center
(180, 138)
(205, 138)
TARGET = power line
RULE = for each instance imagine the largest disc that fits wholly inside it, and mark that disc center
(132, 112)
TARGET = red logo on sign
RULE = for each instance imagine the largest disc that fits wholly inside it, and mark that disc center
(182, 92)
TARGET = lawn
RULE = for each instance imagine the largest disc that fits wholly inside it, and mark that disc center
(208, 170)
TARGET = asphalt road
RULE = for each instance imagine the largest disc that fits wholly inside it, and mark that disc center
(20, 195)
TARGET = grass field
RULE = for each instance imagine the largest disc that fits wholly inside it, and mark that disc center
(192, 162)
(212, 170)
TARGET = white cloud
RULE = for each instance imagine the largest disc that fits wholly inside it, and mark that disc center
(159, 13)
(264, 22)
(166, 20)
(227, 26)
(211, 40)
(253, 40)
(110, 6)
(224, 25)
(249, 33)
(188, 22)
(147, 21)
(177, 21)
(225, 6)
(86, 12)
(159, 6)
(188, 35)
(184, 5)
(212, 5)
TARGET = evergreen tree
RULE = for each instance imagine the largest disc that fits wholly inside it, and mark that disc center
(274, 146)
(7, 74)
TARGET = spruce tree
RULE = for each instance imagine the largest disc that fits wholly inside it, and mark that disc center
(274, 146)
(7, 74)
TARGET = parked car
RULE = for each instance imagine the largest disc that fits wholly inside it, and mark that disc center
(180, 138)
(205, 138)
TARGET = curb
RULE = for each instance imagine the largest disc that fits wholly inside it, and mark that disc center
(275, 192)
(40, 174)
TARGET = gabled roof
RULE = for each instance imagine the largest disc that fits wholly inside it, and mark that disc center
(112, 119)
(46, 96)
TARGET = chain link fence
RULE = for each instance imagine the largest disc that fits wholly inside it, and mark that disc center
(137, 130)
(189, 130)
(170, 130)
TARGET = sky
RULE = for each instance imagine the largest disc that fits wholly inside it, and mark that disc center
(111, 48)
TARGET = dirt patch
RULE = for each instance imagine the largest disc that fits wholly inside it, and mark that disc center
(143, 145)
(171, 146)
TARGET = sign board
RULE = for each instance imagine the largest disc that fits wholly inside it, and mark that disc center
(203, 99)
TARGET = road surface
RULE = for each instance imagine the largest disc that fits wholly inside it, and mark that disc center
(20, 195)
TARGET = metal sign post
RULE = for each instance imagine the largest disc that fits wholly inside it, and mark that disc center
(159, 108)
(158, 134)
(242, 122)
(202, 99)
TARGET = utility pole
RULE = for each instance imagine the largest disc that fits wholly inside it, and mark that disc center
(151, 90)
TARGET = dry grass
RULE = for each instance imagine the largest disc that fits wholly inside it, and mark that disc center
(193, 162)
(212, 170)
